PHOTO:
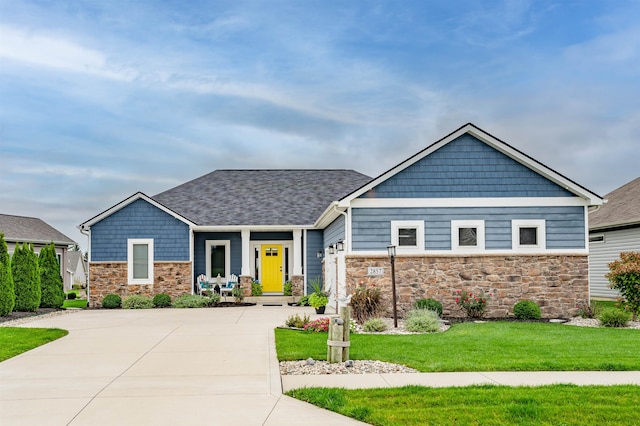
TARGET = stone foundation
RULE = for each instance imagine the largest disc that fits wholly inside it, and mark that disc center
(245, 282)
(172, 278)
(558, 283)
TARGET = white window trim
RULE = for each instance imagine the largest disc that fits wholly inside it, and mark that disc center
(599, 241)
(396, 225)
(130, 243)
(227, 257)
(541, 237)
(455, 243)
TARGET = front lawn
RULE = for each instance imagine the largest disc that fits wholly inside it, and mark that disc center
(74, 303)
(482, 405)
(15, 340)
(491, 346)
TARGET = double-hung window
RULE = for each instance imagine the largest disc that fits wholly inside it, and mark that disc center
(407, 235)
(140, 260)
(528, 235)
(218, 259)
(467, 235)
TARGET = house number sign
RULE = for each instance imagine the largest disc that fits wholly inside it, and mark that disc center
(375, 271)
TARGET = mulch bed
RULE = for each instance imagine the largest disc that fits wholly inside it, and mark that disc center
(17, 315)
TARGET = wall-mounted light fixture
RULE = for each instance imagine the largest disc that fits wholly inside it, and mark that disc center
(340, 245)
(319, 254)
(332, 250)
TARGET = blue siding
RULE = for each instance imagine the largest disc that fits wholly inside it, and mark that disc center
(199, 261)
(334, 232)
(314, 264)
(139, 220)
(466, 167)
(371, 227)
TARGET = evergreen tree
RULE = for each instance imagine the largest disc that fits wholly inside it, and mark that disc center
(26, 278)
(50, 280)
(7, 292)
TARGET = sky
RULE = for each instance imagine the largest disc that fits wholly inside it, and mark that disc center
(101, 99)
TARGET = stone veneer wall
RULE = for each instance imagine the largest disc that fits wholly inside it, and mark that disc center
(558, 283)
(297, 285)
(172, 278)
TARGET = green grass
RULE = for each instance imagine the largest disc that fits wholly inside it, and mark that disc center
(75, 303)
(603, 304)
(15, 340)
(492, 346)
(482, 405)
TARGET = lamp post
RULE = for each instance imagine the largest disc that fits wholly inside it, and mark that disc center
(392, 255)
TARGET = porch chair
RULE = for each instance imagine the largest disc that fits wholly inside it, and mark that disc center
(202, 284)
(229, 286)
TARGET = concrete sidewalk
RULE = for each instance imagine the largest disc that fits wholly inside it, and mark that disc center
(193, 367)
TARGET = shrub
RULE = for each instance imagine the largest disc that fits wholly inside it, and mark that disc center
(366, 302)
(136, 301)
(473, 305)
(288, 288)
(296, 322)
(256, 288)
(238, 294)
(613, 317)
(161, 300)
(431, 304)
(71, 295)
(112, 301)
(321, 325)
(7, 290)
(318, 300)
(526, 309)
(304, 301)
(625, 277)
(213, 299)
(190, 301)
(26, 278)
(51, 285)
(587, 310)
(374, 325)
(422, 321)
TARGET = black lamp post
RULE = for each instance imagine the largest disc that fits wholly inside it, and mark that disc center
(392, 255)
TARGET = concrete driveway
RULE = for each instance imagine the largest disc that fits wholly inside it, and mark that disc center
(167, 367)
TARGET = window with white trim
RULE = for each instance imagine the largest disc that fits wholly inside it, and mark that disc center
(140, 260)
(218, 259)
(407, 235)
(467, 235)
(528, 234)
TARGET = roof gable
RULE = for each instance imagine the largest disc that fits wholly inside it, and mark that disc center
(31, 229)
(622, 208)
(502, 151)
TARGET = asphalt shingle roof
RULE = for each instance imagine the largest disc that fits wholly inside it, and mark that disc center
(622, 207)
(260, 197)
(30, 229)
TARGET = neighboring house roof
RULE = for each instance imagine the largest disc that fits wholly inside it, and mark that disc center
(75, 258)
(21, 229)
(621, 210)
(294, 197)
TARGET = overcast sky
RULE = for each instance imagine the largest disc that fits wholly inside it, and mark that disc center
(101, 99)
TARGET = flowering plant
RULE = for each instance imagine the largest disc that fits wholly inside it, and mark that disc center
(473, 305)
(321, 325)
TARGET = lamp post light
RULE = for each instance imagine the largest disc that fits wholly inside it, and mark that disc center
(392, 254)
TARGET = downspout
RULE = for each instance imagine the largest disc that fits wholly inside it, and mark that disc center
(347, 231)
(81, 229)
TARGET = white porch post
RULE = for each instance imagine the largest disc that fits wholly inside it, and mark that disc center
(297, 252)
(246, 252)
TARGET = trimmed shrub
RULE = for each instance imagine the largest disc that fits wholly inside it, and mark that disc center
(366, 302)
(26, 278)
(422, 321)
(526, 309)
(288, 289)
(161, 300)
(71, 295)
(296, 322)
(613, 317)
(191, 301)
(214, 299)
(431, 304)
(256, 288)
(7, 290)
(136, 301)
(374, 325)
(51, 285)
(112, 301)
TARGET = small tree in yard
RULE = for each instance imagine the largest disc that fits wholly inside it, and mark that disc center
(625, 277)
(26, 278)
(7, 292)
(50, 280)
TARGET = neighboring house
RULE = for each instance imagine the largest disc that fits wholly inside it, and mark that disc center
(21, 229)
(77, 268)
(613, 228)
(468, 212)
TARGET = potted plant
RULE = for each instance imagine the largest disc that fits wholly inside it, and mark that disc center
(319, 298)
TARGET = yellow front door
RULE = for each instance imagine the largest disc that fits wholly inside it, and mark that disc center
(271, 259)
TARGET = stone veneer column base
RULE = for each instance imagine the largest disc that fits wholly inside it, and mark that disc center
(558, 283)
(172, 278)
(245, 284)
(297, 285)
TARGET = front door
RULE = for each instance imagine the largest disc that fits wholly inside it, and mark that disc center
(271, 268)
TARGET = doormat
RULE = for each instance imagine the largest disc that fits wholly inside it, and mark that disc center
(272, 304)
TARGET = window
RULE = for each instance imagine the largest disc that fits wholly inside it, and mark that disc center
(467, 235)
(596, 238)
(407, 235)
(528, 235)
(218, 259)
(140, 261)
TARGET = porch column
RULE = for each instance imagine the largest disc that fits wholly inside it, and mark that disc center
(246, 252)
(297, 252)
